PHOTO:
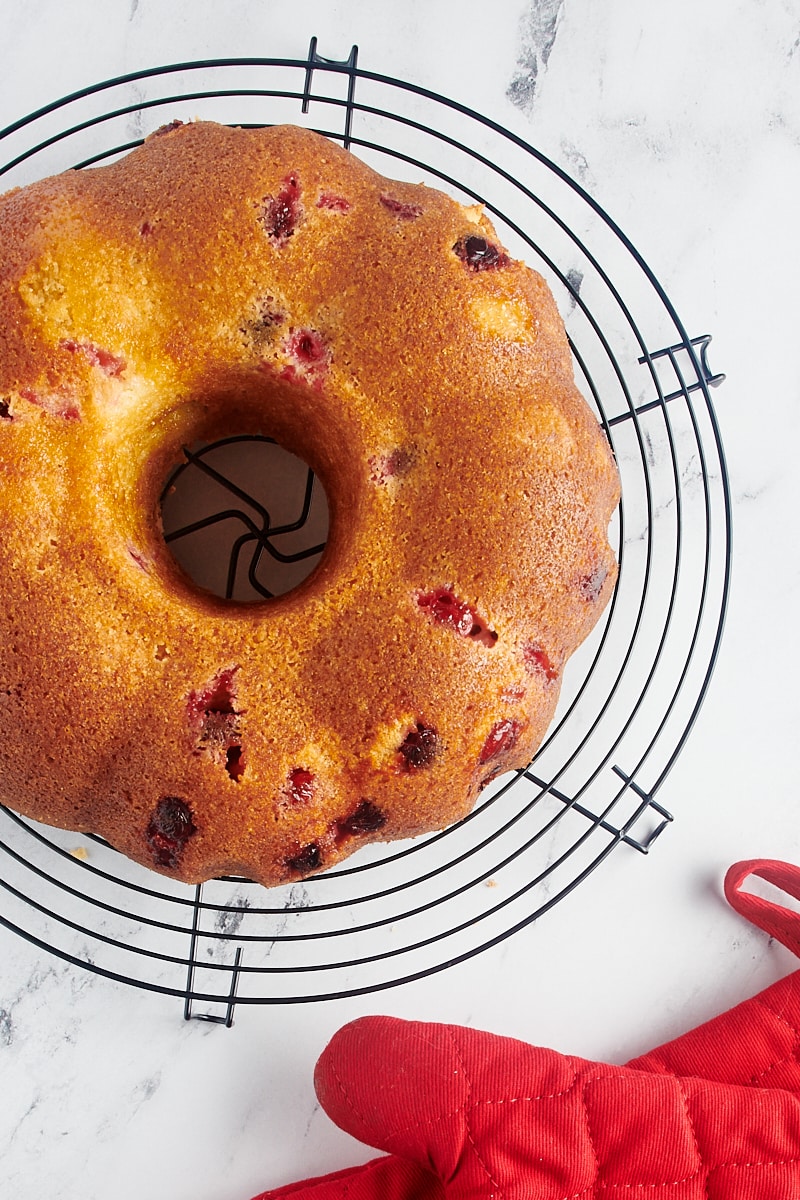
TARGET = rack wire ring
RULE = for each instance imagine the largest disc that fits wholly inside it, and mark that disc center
(402, 912)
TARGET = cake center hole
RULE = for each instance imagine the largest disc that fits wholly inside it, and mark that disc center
(244, 518)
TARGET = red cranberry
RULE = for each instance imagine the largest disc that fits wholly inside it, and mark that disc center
(214, 717)
(216, 698)
(406, 212)
(310, 355)
(111, 364)
(57, 404)
(308, 347)
(537, 660)
(480, 254)
(301, 786)
(282, 213)
(169, 830)
(419, 747)
(393, 465)
(502, 737)
(333, 202)
(168, 128)
(309, 858)
(366, 818)
(443, 606)
(139, 559)
(590, 586)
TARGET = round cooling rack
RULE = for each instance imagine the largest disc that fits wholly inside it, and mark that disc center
(399, 912)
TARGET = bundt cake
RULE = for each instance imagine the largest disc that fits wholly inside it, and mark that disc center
(219, 281)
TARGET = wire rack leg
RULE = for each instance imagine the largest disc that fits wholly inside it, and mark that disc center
(225, 1019)
(349, 65)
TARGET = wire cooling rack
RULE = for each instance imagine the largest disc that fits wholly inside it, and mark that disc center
(631, 694)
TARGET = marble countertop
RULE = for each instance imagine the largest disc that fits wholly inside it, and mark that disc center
(683, 123)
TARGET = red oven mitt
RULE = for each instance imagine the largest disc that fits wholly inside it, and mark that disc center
(464, 1115)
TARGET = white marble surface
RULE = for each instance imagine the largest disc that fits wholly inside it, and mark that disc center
(683, 121)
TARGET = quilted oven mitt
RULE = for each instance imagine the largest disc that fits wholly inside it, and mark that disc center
(464, 1115)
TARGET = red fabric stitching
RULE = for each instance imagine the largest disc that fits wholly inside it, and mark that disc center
(575, 1195)
(787, 1057)
(586, 1084)
(600, 1183)
(467, 1108)
(689, 1118)
(428, 1122)
(608, 1187)
(696, 1140)
(664, 1183)
(340, 1082)
(587, 1079)
(778, 1162)
(471, 1105)
(641, 1186)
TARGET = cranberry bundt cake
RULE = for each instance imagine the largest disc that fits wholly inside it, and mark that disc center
(220, 281)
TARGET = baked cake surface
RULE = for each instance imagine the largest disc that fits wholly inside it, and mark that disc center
(222, 281)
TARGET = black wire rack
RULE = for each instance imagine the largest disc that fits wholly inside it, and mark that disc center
(631, 695)
(246, 519)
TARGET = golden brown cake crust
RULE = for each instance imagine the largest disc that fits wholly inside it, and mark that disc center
(219, 281)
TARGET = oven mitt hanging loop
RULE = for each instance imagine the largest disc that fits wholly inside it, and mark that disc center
(465, 1115)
